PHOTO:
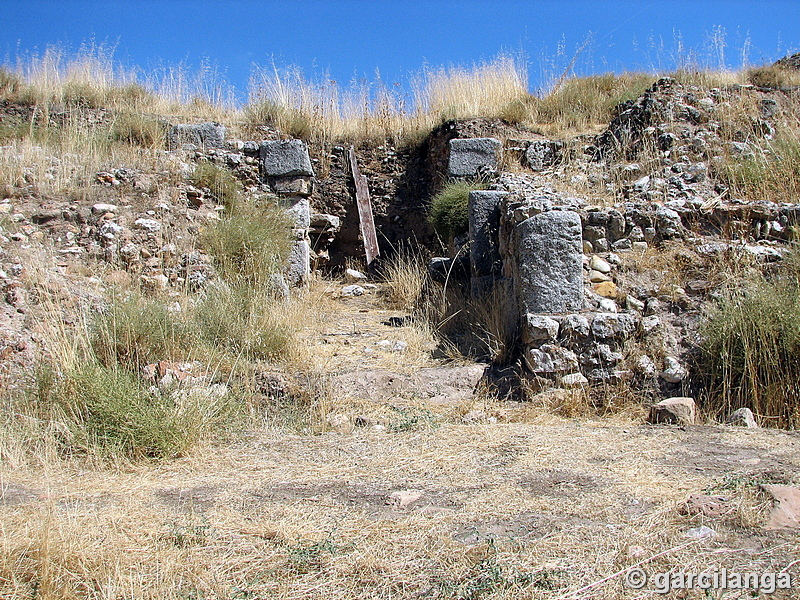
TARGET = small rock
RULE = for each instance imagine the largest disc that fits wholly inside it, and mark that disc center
(632, 303)
(338, 420)
(150, 225)
(679, 410)
(673, 371)
(743, 416)
(598, 277)
(404, 498)
(645, 365)
(608, 305)
(606, 289)
(650, 324)
(708, 506)
(352, 290)
(598, 264)
(353, 276)
(639, 246)
(574, 380)
(102, 208)
(701, 533)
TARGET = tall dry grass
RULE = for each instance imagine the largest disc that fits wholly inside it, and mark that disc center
(324, 109)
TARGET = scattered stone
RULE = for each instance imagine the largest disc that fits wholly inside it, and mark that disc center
(701, 533)
(611, 326)
(102, 208)
(338, 420)
(607, 289)
(150, 225)
(678, 410)
(743, 416)
(598, 264)
(404, 498)
(542, 154)
(574, 380)
(632, 303)
(352, 290)
(645, 365)
(473, 416)
(673, 371)
(351, 276)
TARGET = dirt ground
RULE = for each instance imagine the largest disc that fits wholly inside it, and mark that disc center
(406, 494)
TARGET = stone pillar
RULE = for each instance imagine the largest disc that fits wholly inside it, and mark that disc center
(549, 270)
(484, 242)
(287, 169)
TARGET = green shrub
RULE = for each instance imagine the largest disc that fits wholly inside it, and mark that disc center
(249, 245)
(107, 410)
(135, 331)
(750, 344)
(449, 210)
(243, 321)
(223, 185)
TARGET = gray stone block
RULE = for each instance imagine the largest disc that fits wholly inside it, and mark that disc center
(549, 256)
(470, 157)
(484, 225)
(201, 135)
(285, 158)
(298, 264)
(298, 211)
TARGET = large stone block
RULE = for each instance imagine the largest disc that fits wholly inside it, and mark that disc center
(201, 135)
(285, 158)
(484, 225)
(469, 157)
(298, 211)
(549, 263)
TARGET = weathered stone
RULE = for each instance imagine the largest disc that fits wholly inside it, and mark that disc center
(299, 213)
(598, 277)
(606, 289)
(352, 276)
(616, 224)
(574, 327)
(679, 410)
(150, 225)
(292, 186)
(542, 154)
(470, 157)
(277, 287)
(550, 271)
(201, 135)
(786, 508)
(537, 328)
(707, 506)
(632, 303)
(743, 416)
(645, 365)
(484, 222)
(298, 264)
(613, 326)
(285, 158)
(325, 222)
(102, 208)
(673, 371)
(551, 359)
(352, 290)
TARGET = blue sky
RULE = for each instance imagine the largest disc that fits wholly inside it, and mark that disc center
(350, 39)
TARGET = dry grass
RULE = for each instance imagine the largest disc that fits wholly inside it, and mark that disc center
(508, 511)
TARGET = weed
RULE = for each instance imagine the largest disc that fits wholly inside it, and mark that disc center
(773, 76)
(407, 278)
(135, 331)
(772, 172)
(108, 411)
(188, 533)
(250, 245)
(449, 210)
(411, 418)
(751, 339)
(243, 321)
(582, 101)
(139, 130)
(225, 188)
